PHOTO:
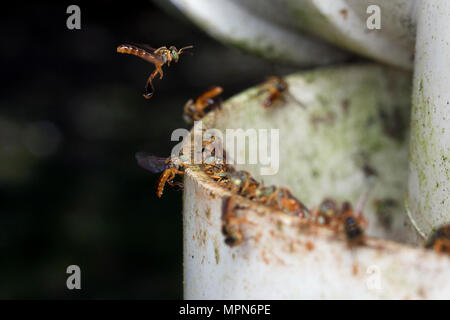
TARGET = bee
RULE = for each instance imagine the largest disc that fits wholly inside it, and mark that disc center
(231, 223)
(240, 181)
(353, 225)
(213, 146)
(252, 191)
(326, 213)
(440, 240)
(265, 194)
(277, 89)
(169, 168)
(215, 169)
(159, 57)
(208, 101)
(285, 201)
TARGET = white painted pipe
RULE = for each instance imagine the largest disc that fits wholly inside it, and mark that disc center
(278, 261)
(429, 172)
(281, 258)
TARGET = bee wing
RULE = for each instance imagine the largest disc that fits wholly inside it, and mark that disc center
(151, 163)
(149, 56)
(145, 47)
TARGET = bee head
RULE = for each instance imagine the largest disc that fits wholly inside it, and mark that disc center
(174, 53)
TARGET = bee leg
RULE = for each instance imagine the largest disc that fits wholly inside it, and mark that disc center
(244, 187)
(149, 85)
(172, 175)
(271, 197)
(158, 70)
(176, 185)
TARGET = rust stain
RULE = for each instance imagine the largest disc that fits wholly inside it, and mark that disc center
(217, 255)
(280, 225)
(309, 246)
(264, 256)
(355, 269)
(204, 237)
(291, 247)
(421, 293)
(208, 213)
(344, 13)
(258, 237)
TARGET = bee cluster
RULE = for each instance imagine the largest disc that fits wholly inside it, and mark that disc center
(242, 183)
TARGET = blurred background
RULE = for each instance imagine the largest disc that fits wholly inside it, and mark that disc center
(72, 116)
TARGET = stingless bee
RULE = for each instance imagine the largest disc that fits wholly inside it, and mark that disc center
(276, 86)
(277, 89)
(239, 181)
(326, 213)
(440, 240)
(352, 224)
(159, 57)
(231, 223)
(169, 168)
(284, 200)
(206, 102)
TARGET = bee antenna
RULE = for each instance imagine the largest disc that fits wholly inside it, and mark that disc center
(185, 48)
(365, 195)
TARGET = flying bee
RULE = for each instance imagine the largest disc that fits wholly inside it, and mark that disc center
(278, 89)
(170, 169)
(440, 240)
(206, 102)
(159, 57)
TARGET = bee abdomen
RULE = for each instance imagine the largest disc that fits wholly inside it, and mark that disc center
(130, 49)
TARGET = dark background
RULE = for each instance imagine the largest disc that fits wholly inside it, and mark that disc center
(72, 117)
